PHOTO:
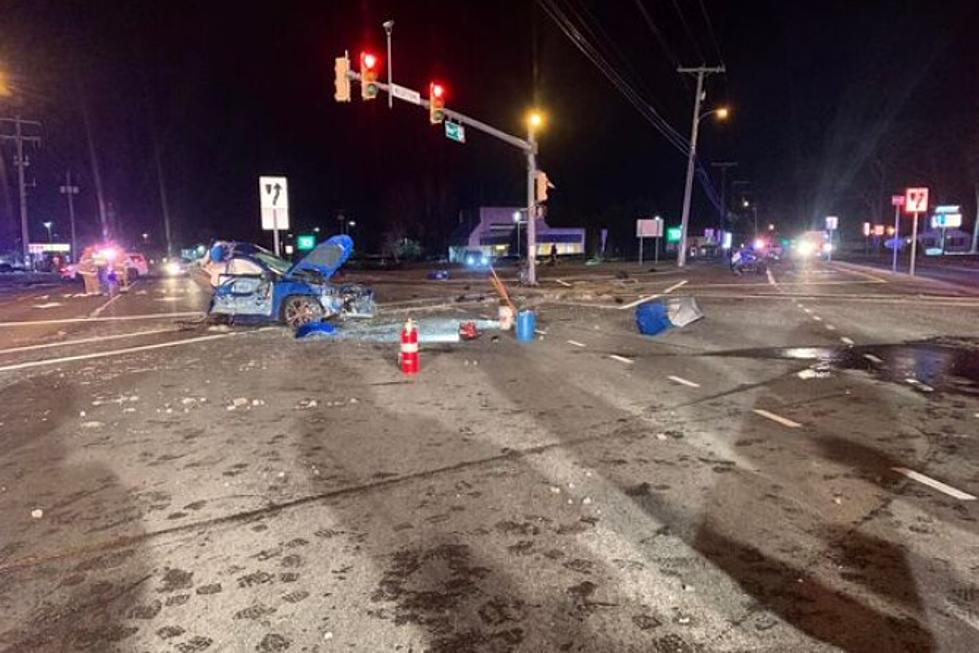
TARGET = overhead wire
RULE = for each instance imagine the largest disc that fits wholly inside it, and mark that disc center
(710, 32)
(686, 28)
(591, 51)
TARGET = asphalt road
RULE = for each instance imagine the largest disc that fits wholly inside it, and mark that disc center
(795, 472)
(960, 270)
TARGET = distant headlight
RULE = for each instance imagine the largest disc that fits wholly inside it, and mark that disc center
(470, 260)
(173, 269)
(804, 248)
(484, 261)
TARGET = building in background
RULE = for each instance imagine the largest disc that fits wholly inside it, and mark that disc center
(493, 232)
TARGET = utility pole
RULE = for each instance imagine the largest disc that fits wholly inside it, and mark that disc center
(70, 191)
(163, 196)
(723, 166)
(18, 137)
(531, 207)
(701, 72)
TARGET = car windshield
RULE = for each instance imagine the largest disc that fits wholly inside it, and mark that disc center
(274, 263)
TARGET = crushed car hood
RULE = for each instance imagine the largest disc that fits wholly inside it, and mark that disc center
(327, 257)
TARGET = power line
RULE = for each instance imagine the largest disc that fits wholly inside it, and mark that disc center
(658, 34)
(710, 31)
(644, 108)
(686, 28)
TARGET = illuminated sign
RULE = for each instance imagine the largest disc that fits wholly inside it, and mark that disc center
(916, 200)
(673, 234)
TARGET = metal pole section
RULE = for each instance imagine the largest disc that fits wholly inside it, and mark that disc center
(531, 209)
(69, 191)
(275, 231)
(462, 118)
(656, 260)
(897, 236)
(388, 26)
(914, 242)
(691, 158)
(640, 251)
(518, 235)
(24, 234)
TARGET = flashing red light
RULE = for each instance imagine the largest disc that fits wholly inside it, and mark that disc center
(438, 91)
(370, 61)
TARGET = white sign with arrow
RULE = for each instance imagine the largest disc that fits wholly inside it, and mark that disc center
(273, 194)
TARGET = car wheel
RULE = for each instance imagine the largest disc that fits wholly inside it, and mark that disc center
(299, 310)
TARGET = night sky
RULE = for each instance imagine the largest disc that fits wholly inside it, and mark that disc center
(835, 105)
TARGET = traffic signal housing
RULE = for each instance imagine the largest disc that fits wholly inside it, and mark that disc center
(436, 103)
(342, 81)
(369, 65)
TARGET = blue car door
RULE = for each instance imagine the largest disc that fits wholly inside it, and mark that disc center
(244, 290)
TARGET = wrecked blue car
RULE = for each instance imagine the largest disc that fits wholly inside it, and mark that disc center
(255, 285)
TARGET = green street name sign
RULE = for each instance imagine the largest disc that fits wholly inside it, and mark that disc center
(305, 242)
(454, 131)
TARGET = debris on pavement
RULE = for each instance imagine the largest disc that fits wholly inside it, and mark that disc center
(655, 317)
(37, 513)
(438, 275)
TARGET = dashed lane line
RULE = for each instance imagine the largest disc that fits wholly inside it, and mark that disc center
(563, 283)
(847, 341)
(81, 341)
(784, 421)
(873, 359)
(817, 318)
(936, 485)
(771, 277)
(646, 299)
(119, 318)
(621, 359)
(683, 381)
(115, 352)
(831, 327)
(576, 343)
(808, 310)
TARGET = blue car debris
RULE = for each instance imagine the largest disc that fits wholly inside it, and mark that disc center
(255, 285)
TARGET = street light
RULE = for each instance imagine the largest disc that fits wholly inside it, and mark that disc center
(722, 114)
(388, 25)
(146, 237)
(48, 225)
(535, 120)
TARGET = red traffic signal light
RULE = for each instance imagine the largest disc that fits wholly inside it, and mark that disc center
(369, 65)
(436, 103)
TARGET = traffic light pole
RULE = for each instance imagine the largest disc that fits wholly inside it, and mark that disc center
(528, 147)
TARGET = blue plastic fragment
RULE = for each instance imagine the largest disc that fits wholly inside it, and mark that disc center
(315, 329)
(652, 318)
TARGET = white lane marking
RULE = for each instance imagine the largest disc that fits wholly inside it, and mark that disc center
(115, 352)
(621, 359)
(771, 278)
(540, 333)
(873, 359)
(121, 318)
(563, 283)
(808, 310)
(682, 381)
(831, 327)
(576, 343)
(646, 299)
(817, 318)
(932, 483)
(48, 305)
(80, 341)
(846, 341)
(98, 311)
(168, 299)
(784, 421)
(918, 384)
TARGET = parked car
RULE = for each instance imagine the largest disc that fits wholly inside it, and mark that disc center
(254, 284)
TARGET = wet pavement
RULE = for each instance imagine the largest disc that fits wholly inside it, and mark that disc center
(194, 489)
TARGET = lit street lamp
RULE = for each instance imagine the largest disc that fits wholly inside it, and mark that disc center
(722, 113)
(48, 225)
